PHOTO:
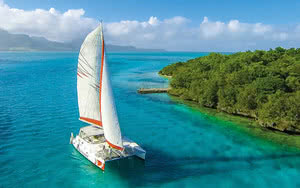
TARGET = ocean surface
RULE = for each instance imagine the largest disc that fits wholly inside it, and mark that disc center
(185, 148)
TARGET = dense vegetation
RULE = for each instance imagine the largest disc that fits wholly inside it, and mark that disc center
(264, 85)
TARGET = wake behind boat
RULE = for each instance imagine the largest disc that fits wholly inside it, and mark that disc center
(102, 140)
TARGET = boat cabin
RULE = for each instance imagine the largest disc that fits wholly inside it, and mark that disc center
(92, 134)
(95, 135)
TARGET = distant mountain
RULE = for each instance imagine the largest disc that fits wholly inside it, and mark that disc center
(116, 48)
(22, 42)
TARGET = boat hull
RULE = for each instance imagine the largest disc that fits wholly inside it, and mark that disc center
(82, 148)
(90, 151)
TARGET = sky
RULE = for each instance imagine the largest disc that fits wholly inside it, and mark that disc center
(175, 25)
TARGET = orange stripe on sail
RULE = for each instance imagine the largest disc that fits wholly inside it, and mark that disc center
(114, 146)
(101, 73)
(96, 122)
(79, 75)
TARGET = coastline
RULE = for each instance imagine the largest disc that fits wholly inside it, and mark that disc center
(242, 122)
(165, 76)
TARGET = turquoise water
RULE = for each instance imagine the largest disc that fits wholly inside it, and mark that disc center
(38, 111)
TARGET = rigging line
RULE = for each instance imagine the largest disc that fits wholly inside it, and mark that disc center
(81, 73)
(85, 63)
(94, 86)
(84, 60)
(95, 83)
(83, 70)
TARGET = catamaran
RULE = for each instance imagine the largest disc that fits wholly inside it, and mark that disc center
(101, 141)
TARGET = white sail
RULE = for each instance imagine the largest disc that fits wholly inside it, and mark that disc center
(95, 96)
(109, 115)
(88, 78)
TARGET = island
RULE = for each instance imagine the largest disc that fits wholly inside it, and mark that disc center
(262, 85)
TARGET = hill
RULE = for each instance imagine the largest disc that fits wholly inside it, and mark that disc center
(22, 42)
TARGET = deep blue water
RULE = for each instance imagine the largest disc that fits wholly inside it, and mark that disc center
(38, 111)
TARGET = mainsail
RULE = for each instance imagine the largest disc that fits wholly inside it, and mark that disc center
(88, 78)
(95, 96)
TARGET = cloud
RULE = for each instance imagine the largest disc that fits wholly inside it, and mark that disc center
(211, 29)
(234, 26)
(282, 36)
(176, 33)
(177, 20)
(153, 21)
(261, 29)
(51, 23)
(137, 32)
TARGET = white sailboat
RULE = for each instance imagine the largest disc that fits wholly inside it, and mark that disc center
(102, 140)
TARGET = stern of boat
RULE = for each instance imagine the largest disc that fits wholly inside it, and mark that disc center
(82, 147)
(100, 163)
(133, 148)
(140, 153)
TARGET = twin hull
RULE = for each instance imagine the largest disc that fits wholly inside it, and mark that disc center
(90, 151)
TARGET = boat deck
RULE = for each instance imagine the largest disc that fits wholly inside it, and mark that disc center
(91, 142)
(112, 154)
(97, 139)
